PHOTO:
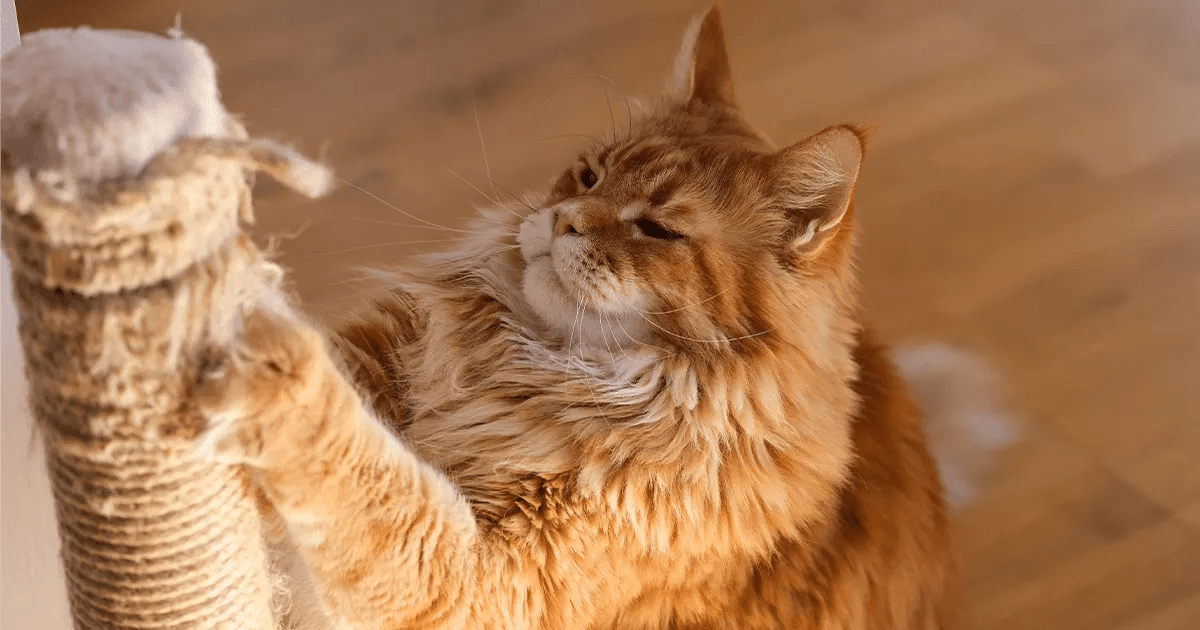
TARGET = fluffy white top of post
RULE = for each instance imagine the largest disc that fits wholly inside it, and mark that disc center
(83, 105)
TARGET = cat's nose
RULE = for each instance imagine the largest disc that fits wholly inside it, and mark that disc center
(564, 224)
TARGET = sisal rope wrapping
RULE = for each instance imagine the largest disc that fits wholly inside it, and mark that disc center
(123, 289)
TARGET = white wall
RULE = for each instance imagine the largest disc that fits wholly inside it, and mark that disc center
(32, 593)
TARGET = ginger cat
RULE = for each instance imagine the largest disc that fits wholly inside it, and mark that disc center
(652, 403)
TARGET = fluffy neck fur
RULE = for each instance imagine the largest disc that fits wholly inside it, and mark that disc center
(741, 443)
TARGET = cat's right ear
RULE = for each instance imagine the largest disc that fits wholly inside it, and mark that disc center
(702, 72)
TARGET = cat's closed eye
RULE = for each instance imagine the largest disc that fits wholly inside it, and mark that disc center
(656, 230)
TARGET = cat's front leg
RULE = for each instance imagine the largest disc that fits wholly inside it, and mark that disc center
(387, 538)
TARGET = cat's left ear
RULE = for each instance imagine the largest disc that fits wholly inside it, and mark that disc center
(816, 179)
(702, 72)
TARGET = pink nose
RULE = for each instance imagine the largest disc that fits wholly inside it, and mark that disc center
(564, 225)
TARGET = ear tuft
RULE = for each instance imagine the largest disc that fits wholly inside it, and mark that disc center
(817, 179)
(702, 72)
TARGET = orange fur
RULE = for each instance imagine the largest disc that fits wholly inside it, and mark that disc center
(663, 412)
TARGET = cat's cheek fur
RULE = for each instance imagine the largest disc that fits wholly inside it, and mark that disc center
(548, 298)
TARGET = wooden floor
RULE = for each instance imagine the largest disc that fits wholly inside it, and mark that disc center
(1033, 193)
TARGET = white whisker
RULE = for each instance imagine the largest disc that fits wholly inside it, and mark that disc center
(624, 95)
(406, 213)
(614, 340)
(358, 248)
(611, 117)
(485, 196)
(686, 338)
(487, 166)
(484, 253)
(579, 312)
(635, 339)
(514, 197)
(692, 305)
(345, 282)
(447, 240)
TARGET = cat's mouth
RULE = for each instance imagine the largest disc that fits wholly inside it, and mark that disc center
(567, 304)
(553, 298)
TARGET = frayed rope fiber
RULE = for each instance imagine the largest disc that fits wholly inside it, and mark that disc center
(124, 282)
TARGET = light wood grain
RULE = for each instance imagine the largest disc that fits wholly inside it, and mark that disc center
(1033, 192)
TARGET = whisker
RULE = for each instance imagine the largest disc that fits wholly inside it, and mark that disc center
(390, 244)
(357, 248)
(552, 91)
(493, 249)
(483, 194)
(575, 323)
(692, 305)
(612, 117)
(538, 199)
(624, 95)
(421, 227)
(586, 376)
(345, 282)
(635, 339)
(406, 213)
(572, 338)
(604, 339)
(514, 197)
(620, 346)
(570, 135)
(714, 341)
(686, 338)
(487, 166)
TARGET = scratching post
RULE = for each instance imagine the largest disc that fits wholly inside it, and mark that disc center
(125, 187)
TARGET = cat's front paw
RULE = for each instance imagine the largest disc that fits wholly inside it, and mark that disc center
(255, 392)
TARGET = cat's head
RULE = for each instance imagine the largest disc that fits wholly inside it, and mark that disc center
(692, 230)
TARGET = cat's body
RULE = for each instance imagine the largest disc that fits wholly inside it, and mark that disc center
(866, 537)
(650, 404)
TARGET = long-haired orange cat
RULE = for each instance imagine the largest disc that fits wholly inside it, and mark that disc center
(651, 403)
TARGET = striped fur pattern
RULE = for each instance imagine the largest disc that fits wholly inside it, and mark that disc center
(649, 403)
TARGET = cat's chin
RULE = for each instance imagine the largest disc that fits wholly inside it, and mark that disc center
(569, 318)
